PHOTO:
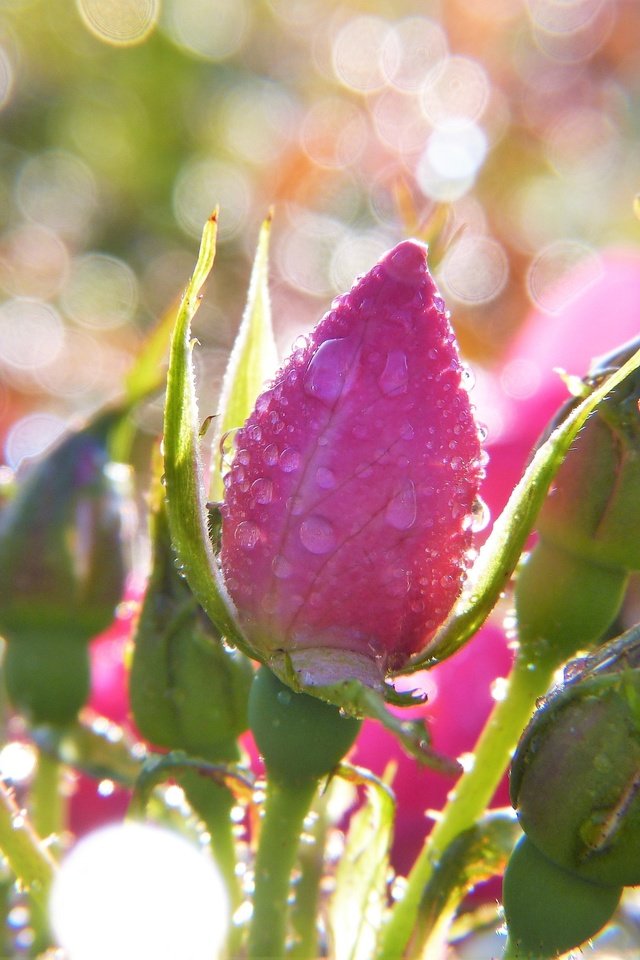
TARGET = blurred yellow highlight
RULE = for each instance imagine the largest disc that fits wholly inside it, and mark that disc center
(121, 23)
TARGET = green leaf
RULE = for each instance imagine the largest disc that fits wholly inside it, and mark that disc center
(358, 904)
(500, 553)
(253, 360)
(185, 487)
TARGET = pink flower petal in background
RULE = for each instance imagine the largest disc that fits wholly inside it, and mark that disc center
(347, 515)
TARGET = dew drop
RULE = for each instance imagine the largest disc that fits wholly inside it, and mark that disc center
(395, 376)
(270, 454)
(407, 432)
(326, 375)
(242, 456)
(289, 460)
(401, 510)
(432, 354)
(325, 478)
(262, 490)
(317, 534)
(282, 569)
(248, 534)
(255, 432)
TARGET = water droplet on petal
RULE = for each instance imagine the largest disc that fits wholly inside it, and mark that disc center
(317, 534)
(325, 478)
(326, 375)
(270, 454)
(262, 490)
(289, 460)
(395, 376)
(248, 534)
(401, 511)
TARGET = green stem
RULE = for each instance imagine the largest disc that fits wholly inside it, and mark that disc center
(304, 912)
(47, 798)
(213, 804)
(528, 681)
(286, 806)
(27, 856)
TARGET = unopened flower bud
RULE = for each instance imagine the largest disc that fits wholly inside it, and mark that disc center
(594, 505)
(63, 563)
(349, 504)
(188, 692)
(575, 778)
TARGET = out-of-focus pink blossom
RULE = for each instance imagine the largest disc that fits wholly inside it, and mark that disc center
(348, 508)
(94, 802)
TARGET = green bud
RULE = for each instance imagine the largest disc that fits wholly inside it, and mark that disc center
(188, 691)
(63, 563)
(594, 504)
(566, 601)
(548, 910)
(575, 778)
(300, 737)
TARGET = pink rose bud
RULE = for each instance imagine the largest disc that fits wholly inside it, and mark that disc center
(349, 507)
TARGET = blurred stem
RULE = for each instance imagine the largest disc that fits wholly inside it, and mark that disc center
(286, 806)
(28, 857)
(529, 679)
(47, 797)
(213, 804)
(304, 911)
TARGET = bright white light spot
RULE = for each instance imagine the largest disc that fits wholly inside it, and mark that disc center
(31, 435)
(553, 279)
(411, 49)
(475, 270)
(134, 890)
(214, 31)
(6, 78)
(499, 689)
(520, 378)
(454, 154)
(119, 22)
(357, 53)
(456, 89)
(203, 183)
(101, 293)
(31, 334)
(17, 761)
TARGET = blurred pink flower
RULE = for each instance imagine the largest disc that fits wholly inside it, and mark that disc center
(94, 802)
(348, 508)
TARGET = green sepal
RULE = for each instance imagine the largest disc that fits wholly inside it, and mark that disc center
(253, 359)
(499, 555)
(184, 473)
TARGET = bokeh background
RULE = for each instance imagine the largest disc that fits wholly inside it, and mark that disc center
(123, 122)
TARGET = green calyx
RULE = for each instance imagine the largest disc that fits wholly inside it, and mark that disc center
(300, 737)
(549, 910)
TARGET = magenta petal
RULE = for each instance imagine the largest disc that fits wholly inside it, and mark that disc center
(347, 514)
